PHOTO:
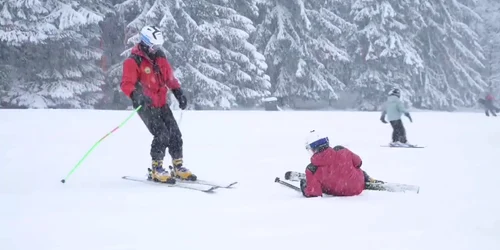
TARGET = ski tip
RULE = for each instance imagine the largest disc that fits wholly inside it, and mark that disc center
(277, 179)
(211, 190)
(231, 184)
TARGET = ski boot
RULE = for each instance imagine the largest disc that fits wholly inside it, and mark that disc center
(159, 174)
(178, 171)
(369, 179)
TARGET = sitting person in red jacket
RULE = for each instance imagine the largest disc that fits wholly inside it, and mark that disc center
(335, 171)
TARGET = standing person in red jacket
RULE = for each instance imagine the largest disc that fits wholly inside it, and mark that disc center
(147, 77)
(335, 171)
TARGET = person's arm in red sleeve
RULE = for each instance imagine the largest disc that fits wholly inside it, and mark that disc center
(311, 187)
(167, 71)
(129, 76)
(356, 160)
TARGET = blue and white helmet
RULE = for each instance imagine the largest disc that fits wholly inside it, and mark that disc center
(152, 37)
(316, 140)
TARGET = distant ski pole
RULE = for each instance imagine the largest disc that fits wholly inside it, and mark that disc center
(97, 143)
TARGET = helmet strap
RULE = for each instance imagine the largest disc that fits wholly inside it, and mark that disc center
(147, 51)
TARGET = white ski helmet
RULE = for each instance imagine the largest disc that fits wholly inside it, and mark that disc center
(152, 37)
(316, 140)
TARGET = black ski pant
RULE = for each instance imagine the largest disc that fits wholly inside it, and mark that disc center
(491, 108)
(162, 125)
(367, 177)
(398, 131)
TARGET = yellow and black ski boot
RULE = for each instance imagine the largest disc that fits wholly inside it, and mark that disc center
(178, 171)
(159, 174)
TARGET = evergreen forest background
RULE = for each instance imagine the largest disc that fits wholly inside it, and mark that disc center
(230, 54)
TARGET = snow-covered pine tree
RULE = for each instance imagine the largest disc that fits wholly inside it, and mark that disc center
(57, 62)
(21, 25)
(489, 32)
(113, 44)
(452, 55)
(247, 8)
(328, 40)
(298, 39)
(386, 55)
(279, 40)
(7, 54)
(234, 61)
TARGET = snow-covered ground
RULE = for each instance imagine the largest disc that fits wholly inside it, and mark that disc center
(458, 206)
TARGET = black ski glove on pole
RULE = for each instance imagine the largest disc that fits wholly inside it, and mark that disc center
(138, 98)
(181, 98)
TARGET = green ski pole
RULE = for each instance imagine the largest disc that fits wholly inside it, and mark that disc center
(97, 143)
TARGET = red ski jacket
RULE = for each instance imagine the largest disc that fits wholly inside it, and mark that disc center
(154, 84)
(334, 171)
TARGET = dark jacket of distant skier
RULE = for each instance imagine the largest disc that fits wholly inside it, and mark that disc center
(334, 171)
(394, 109)
(489, 106)
(147, 76)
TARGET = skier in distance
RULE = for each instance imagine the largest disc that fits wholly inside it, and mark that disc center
(335, 171)
(489, 107)
(147, 77)
(394, 109)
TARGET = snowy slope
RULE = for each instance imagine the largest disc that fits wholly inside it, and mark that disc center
(457, 208)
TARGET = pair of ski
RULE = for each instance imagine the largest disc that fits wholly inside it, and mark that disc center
(293, 176)
(402, 146)
(198, 185)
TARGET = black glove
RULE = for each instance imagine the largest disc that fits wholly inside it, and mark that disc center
(382, 119)
(303, 185)
(181, 98)
(409, 117)
(138, 98)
